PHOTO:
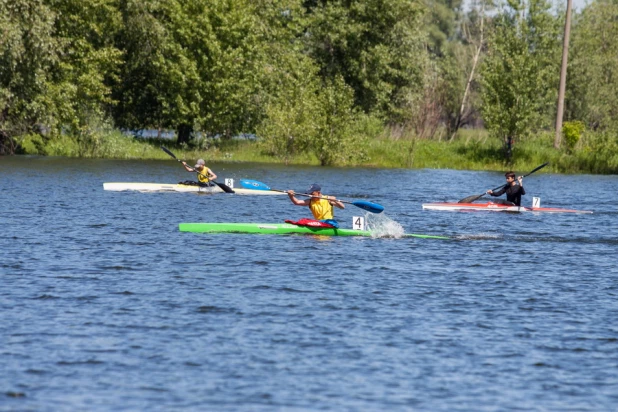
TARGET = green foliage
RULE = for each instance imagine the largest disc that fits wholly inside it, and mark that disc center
(317, 80)
(377, 46)
(57, 65)
(337, 140)
(32, 144)
(593, 73)
(36, 144)
(520, 73)
(292, 111)
(572, 131)
(308, 118)
(441, 20)
(195, 64)
(90, 62)
(599, 153)
(455, 67)
(28, 51)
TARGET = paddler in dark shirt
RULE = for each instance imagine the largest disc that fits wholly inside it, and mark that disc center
(513, 189)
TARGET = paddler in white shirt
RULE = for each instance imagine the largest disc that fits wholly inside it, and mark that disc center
(321, 206)
(204, 174)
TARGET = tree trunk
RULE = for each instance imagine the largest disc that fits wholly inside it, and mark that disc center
(508, 149)
(183, 133)
(563, 73)
(7, 146)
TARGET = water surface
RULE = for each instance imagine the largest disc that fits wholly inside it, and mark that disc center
(107, 306)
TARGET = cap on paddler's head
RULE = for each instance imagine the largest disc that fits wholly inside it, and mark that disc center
(200, 162)
(314, 188)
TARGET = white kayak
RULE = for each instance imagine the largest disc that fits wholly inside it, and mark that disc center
(178, 187)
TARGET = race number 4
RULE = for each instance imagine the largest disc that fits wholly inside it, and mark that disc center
(358, 223)
(536, 202)
(229, 182)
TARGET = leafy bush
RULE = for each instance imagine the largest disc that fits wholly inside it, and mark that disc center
(31, 144)
(572, 132)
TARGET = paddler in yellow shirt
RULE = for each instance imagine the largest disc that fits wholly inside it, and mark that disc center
(204, 174)
(320, 205)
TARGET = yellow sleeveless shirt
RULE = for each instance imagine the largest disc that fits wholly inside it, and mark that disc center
(203, 179)
(321, 209)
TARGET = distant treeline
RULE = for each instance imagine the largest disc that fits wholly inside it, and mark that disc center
(319, 77)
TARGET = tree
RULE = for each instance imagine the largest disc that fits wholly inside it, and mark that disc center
(81, 90)
(191, 65)
(338, 139)
(519, 74)
(293, 110)
(441, 22)
(377, 46)
(28, 51)
(460, 115)
(309, 116)
(593, 74)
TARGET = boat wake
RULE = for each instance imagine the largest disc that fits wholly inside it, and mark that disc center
(479, 236)
(383, 226)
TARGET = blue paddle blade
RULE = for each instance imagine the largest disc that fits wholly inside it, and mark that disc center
(368, 206)
(253, 184)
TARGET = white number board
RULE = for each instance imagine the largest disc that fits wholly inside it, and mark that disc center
(229, 182)
(358, 223)
(536, 202)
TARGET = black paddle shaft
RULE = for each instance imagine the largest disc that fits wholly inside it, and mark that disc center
(223, 187)
(472, 198)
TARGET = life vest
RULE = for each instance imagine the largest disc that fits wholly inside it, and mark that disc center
(204, 178)
(321, 209)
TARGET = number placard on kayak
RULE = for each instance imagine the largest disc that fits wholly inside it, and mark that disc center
(229, 182)
(358, 223)
(536, 202)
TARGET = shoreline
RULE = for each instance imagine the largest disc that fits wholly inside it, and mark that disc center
(473, 150)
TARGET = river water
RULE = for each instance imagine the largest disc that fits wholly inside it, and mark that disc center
(107, 306)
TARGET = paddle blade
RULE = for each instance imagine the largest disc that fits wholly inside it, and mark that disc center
(253, 184)
(223, 187)
(168, 152)
(368, 206)
(471, 199)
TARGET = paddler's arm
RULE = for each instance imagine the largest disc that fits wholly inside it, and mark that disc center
(498, 193)
(297, 202)
(333, 201)
(211, 174)
(189, 169)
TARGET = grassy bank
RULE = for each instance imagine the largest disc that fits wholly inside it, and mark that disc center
(471, 150)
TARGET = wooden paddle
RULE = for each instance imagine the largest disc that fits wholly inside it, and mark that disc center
(223, 187)
(472, 198)
(368, 206)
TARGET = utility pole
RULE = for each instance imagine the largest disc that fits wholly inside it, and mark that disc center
(563, 73)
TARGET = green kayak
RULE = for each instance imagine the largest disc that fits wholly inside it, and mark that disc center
(282, 229)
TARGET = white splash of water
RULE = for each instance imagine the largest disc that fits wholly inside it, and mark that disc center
(382, 226)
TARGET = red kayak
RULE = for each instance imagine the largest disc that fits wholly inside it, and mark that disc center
(496, 207)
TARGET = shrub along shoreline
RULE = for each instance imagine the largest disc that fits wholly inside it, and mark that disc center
(595, 153)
